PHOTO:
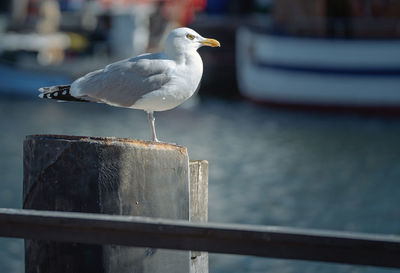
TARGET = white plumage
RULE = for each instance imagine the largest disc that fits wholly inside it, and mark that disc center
(150, 82)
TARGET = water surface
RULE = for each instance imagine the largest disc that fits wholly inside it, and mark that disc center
(266, 166)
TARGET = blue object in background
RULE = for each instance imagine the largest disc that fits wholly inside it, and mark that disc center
(216, 6)
(70, 5)
(14, 81)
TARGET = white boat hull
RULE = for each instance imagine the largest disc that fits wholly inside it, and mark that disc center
(310, 71)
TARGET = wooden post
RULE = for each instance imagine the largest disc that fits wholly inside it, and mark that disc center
(112, 176)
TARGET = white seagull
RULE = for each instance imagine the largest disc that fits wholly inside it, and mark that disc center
(150, 82)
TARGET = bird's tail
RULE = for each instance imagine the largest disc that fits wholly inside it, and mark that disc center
(58, 92)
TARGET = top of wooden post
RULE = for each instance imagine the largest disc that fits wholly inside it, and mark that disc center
(111, 140)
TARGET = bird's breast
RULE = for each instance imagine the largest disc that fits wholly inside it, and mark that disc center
(184, 80)
(191, 72)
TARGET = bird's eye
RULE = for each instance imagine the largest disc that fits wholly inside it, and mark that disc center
(190, 36)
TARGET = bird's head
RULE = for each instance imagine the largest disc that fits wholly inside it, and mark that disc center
(184, 39)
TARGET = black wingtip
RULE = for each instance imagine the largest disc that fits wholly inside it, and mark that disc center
(59, 92)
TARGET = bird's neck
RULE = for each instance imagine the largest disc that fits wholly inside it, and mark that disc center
(183, 57)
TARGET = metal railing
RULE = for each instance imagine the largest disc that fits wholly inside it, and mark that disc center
(263, 241)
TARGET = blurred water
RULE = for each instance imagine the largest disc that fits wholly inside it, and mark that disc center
(270, 167)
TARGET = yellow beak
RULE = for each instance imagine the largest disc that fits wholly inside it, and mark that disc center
(210, 42)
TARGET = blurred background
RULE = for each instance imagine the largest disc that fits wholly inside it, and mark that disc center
(297, 114)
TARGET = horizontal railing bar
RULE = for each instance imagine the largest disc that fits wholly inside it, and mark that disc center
(264, 241)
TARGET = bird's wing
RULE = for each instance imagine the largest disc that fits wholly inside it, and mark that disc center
(124, 82)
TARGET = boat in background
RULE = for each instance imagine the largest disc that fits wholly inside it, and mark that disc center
(319, 56)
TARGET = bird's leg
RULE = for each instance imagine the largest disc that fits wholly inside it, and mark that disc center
(151, 119)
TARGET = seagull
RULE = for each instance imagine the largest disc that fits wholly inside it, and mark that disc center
(150, 82)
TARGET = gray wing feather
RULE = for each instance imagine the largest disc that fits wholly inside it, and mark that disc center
(124, 82)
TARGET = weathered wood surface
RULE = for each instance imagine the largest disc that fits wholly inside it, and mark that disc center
(275, 242)
(198, 208)
(111, 176)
